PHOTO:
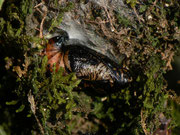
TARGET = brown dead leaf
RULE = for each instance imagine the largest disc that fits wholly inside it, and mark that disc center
(20, 71)
(168, 56)
(9, 63)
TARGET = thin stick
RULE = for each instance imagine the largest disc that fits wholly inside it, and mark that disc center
(42, 3)
(44, 17)
(33, 109)
(143, 124)
(42, 22)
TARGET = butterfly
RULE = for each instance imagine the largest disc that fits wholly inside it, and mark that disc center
(86, 63)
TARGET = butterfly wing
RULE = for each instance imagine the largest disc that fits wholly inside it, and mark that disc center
(91, 65)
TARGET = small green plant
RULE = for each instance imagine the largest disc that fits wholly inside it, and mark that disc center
(52, 95)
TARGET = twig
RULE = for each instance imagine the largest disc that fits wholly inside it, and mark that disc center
(33, 109)
(41, 25)
(109, 17)
(44, 17)
(113, 29)
(139, 18)
(42, 3)
(143, 124)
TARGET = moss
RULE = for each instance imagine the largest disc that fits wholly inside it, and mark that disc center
(132, 3)
(123, 21)
(49, 102)
(59, 17)
(52, 95)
